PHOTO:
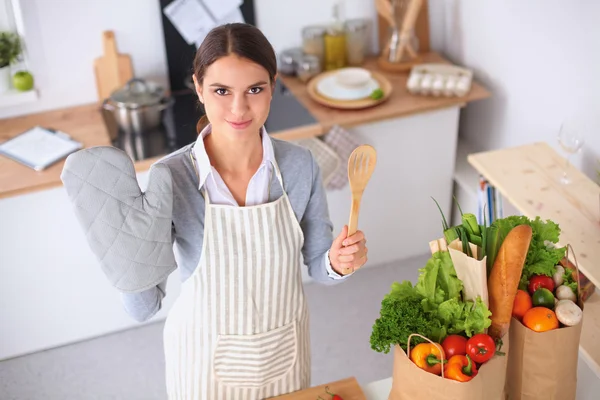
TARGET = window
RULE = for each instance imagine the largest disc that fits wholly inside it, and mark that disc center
(11, 20)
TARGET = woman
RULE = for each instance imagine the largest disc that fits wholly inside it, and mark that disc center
(248, 212)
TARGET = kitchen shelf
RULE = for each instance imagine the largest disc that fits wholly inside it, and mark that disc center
(15, 98)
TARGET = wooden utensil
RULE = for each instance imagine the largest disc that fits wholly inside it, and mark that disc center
(408, 24)
(361, 165)
(347, 389)
(112, 70)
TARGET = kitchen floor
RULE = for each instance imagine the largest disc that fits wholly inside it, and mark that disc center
(129, 365)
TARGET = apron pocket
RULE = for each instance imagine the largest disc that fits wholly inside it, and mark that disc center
(255, 360)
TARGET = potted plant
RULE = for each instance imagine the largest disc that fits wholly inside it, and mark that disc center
(10, 49)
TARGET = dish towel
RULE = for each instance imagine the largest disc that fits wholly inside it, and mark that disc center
(343, 143)
(327, 159)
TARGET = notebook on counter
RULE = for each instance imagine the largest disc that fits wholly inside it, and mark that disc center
(39, 147)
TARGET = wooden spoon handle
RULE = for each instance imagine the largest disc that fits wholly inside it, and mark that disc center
(354, 210)
(353, 224)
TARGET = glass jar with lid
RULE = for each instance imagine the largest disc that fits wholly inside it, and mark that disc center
(288, 60)
(313, 41)
(357, 40)
(308, 66)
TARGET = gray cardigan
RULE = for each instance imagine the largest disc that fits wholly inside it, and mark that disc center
(303, 184)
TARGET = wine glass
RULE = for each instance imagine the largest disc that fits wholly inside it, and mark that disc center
(570, 138)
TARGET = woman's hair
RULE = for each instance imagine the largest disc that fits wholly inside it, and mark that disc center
(243, 40)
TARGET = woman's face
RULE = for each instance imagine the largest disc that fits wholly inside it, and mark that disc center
(236, 94)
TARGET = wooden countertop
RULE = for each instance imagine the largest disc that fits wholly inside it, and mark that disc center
(400, 103)
(84, 123)
(528, 176)
(347, 389)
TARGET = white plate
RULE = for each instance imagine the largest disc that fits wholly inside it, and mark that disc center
(329, 87)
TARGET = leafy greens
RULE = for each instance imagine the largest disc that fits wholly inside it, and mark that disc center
(433, 308)
(543, 255)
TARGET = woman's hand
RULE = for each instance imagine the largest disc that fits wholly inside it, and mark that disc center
(347, 254)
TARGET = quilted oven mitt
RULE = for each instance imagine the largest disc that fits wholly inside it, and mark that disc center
(128, 231)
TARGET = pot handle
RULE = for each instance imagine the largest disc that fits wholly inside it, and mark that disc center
(108, 106)
(163, 106)
(133, 81)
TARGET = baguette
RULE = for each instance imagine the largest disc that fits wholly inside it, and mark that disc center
(505, 276)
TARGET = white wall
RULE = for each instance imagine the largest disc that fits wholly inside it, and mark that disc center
(539, 58)
(282, 20)
(64, 37)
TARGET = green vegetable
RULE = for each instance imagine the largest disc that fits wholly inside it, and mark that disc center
(569, 279)
(377, 94)
(433, 308)
(542, 257)
(438, 281)
(468, 232)
(399, 319)
(469, 221)
(493, 242)
(450, 234)
(484, 238)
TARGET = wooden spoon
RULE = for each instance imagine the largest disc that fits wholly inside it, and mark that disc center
(361, 164)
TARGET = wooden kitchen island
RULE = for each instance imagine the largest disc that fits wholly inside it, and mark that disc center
(52, 274)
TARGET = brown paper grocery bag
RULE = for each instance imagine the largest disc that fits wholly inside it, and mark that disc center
(543, 365)
(409, 382)
(471, 271)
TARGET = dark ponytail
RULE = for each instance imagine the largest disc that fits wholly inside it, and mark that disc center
(241, 39)
(202, 123)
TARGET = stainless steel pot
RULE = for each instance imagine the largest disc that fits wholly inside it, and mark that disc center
(137, 107)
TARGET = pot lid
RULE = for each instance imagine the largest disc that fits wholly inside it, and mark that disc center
(138, 93)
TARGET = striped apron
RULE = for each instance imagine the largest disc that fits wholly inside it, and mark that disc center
(239, 329)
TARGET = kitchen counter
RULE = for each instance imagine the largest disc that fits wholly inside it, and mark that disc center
(85, 124)
(401, 102)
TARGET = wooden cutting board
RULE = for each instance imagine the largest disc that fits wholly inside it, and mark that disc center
(348, 389)
(112, 70)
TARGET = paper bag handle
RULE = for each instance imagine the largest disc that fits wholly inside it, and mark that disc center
(430, 341)
(576, 265)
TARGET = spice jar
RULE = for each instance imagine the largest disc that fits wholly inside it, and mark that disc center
(357, 36)
(288, 60)
(308, 66)
(313, 41)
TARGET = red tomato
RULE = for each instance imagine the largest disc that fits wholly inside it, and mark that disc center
(481, 348)
(540, 281)
(454, 344)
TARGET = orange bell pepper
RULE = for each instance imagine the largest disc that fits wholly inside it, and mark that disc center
(428, 357)
(460, 368)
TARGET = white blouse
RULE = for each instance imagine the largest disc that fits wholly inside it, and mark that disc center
(258, 187)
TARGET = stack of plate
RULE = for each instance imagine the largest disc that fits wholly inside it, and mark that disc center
(349, 88)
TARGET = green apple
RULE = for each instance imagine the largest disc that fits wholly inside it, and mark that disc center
(23, 81)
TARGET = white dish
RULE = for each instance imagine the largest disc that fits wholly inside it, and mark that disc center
(353, 77)
(329, 87)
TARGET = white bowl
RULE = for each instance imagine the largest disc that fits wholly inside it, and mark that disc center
(353, 77)
(329, 87)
